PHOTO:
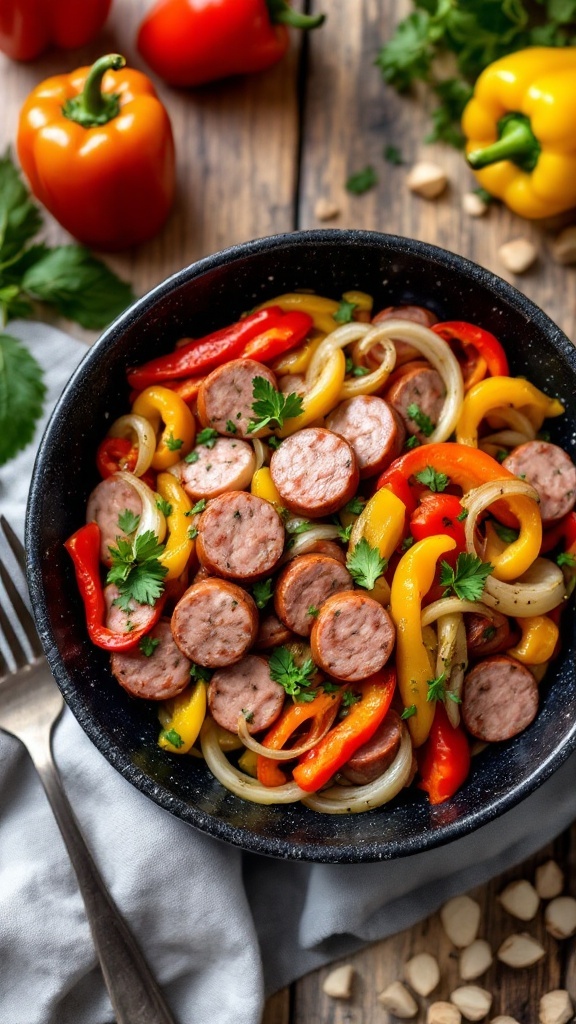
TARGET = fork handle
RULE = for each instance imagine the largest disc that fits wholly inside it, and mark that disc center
(134, 993)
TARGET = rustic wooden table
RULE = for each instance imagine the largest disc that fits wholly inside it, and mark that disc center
(254, 156)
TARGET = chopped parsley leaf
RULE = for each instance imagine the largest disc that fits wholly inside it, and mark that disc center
(248, 715)
(296, 528)
(172, 737)
(392, 155)
(200, 674)
(469, 578)
(207, 437)
(128, 522)
(412, 442)
(437, 482)
(191, 457)
(136, 570)
(192, 533)
(198, 507)
(271, 406)
(355, 506)
(231, 427)
(313, 610)
(345, 311)
(506, 533)
(164, 507)
(462, 515)
(344, 532)
(565, 558)
(408, 712)
(173, 443)
(365, 564)
(262, 592)
(407, 542)
(274, 443)
(147, 645)
(422, 421)
(296, 679)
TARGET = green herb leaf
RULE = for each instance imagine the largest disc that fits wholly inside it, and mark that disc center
(344, 533)
(20, 218)
(407, 542)
(506, 533)
(173, 443)
(192, 532)
(462, 515)
(262, 592)
(164, 507)
(437, 482)
(22, 394)
(191, 457)
(128, 522)
(453, 94)
(274, 443)
(408, 55)
(200, 674)
(297, 528)
(412, 442)
(392, 155)
(437, 688)
(248, 715)
(469, 579)
(408, 712)
(362, 181)
(313, 611)
(486, 198)
(148, 645)
(136, 570)
(271, 406)
(198, 507)
(296, 679)
(365, 564)
(207, 437)
(355, 506)
(329, 687)
(78, 285)
(422, 421)
(343, 314)
(173, 737)
(231, 427)
(567, 559)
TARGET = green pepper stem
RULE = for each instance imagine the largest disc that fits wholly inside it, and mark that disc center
(282, 14)
(516, 142)
(92, 106)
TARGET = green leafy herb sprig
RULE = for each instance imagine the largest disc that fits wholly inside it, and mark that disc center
(66, 278)
(476, 32)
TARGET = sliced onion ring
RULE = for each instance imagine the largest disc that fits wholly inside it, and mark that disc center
(283, 755)
(512, 418)
(375, 380)
(236, 781)
(260, 452)
(150, 518)
(305, 541)
(536, 592)
(479, 499)
(132, 426)
(354, 799)
(451, 605)
(340, 338)
(447, 629)
(457, 673)
(505, 439)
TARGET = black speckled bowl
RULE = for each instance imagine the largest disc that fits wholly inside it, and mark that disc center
(207, 295)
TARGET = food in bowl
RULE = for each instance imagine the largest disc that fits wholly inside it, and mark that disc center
(300, 459)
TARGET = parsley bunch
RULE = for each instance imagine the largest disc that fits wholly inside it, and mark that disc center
(296, 679)
(476, 32)
(271, 406)
(468, 579)
(365, 564)
(136, 570)
(67, 278)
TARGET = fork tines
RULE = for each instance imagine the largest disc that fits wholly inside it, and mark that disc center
(16, 622)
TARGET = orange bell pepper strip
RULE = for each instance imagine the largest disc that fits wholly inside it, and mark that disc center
(98, 151)
(317, 766)
(322, 710)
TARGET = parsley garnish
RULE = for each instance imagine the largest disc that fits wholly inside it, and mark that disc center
(344, 532)
(200, 674)
(355, 506)
(148, 645)
(365, 564)
(501, 455)
(412, 442)
(329, 687)
(506, 533)
(198, 507)
(164, 507)
(565, 558)
(208, 437)
(407, 542)
(136, 570)
(349, 697)
(313, 610)
(297, 528)
(262, 592)
(486, 198)
(192, 533)
(274, 443)
(462, 515)
(173, 737)
(430, 478)
(362, 181)
(128, 522)
(422, 421)
(271, 406)
(344, 313)
(408, 712)
(191, 457)
(469, 579)
(437, 690)
(356, 371)
(392, 155)
(489, 633)
(231, 427)
(248, 715)
(296, 679)
(173, 443)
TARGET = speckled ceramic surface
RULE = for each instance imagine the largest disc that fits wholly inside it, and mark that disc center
(207, 295)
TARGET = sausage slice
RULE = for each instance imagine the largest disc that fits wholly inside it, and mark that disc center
(373, 758)
(315, 472)
(240, 536)
(120, 621)
(214, 623)
(272, 633)
(352, 636)
(227, 466)
(487, 636)
(247, 689)
(500, 699)
(226, 396)
(162, 675)
(551, 472)
(303, 586)
(374, 430)
(404, 350)
(421, 386)
(109, 499)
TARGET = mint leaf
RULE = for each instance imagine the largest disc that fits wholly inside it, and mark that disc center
(78, 285)
(22, 394)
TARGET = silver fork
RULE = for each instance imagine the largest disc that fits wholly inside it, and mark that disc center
(30, 705)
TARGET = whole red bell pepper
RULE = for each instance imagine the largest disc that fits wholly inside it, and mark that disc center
(190, 42)
(29, 27)
(317, 766)
(446, 760)
(84, 550)
(437, 514)
(201, 355)
(472, 345)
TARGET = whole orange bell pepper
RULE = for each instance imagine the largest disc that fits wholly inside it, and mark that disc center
(98, 151)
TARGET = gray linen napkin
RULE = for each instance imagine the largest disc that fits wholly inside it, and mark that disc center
(219, 928)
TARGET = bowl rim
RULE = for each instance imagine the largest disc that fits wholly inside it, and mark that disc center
(213, 825)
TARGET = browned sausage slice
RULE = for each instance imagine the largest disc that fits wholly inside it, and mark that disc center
(329, 548)
(119, 621)
(292, 384)
(374, 757)
(500, 699)
(214, 623)
(404, 350)
(315, 472)
(303, 586)
(109, 499)
(374, 430)
(420, 386)
(352, 636)
(551, 472)
(226, 396)
(227, 466)
(240, 536)
(487, 636)
(247, 689)
(272, 633)
(162, 675)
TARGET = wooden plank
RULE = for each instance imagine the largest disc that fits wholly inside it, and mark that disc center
(277, 1009)
(351, 116)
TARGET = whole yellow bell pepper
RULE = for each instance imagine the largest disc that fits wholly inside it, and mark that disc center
(494, 392)
(161, 404)
(538, 642)
(412, 580)
(520, 130)
(187, 712)
(322, 396)
(179, 545)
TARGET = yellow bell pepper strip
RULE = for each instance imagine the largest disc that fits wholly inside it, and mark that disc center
(179, 545)
(187, 713)
(520, 130)
(361, 300)
(538, 641)
(248, 763)
(495, 392)
(263, 486)
(298, 360)
(412, 580)
(161, 404)
(320, 309)
(381, 523)
(322, 396)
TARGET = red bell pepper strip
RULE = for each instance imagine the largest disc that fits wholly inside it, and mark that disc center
(115, 453)
(317, 766)
(470, 336)
(84, 550)
(397, 482)
(289, 333)
(29, 27)
(322, 710)
(189, 43)
(562, 531)
(201, 355)
(446, 761)
(437, 514)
